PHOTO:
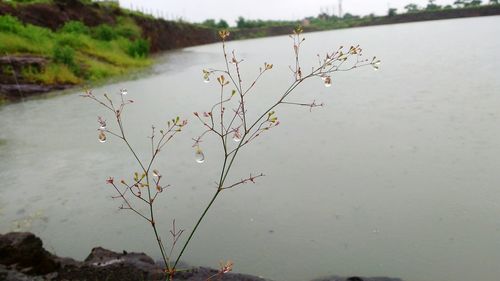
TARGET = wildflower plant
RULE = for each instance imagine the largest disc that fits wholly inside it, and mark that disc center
(145, 185)
(228, 121)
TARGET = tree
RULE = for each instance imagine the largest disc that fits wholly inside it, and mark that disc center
(392, 12)
(241, 22)
(431, 6)
(323, 16)
(350, 16)
(209, 23)
(470, 3)
(222, 24)
(412, 8)
(459, 3)
(494, 2)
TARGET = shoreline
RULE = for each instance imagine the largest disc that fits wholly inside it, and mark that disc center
(166, 36)
(22, 257)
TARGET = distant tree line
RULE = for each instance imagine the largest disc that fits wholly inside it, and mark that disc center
(221, 24)
(326, 20)
(241, 22)
(432, 6)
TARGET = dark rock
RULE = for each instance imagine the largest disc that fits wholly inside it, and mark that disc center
(19, 91)
(105, 262)
(22, 258)
(203, 273)
(7, 274)
(12, 68)
(26, 251)
(22, 60)
(356, 278)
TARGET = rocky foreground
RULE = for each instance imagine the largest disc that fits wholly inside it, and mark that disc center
(23, 258)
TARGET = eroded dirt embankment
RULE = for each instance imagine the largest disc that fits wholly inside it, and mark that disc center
(163, 35)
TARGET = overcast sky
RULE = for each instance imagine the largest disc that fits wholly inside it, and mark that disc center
(199, 10)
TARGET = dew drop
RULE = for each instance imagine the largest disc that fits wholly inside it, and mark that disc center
(102, 123)
(375, 67)
(102, 136)
(328, 81)
(123, 91)
(206, 79)
(237, 137)
(199, 156)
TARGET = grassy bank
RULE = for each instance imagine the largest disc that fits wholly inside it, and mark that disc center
(52, 44)
(47, 45)
(75, 52)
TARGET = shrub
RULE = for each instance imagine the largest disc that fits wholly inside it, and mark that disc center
(105, 32)
(127, 28)
(128, 32)
(37, 35)
(64, 55)
(139, 48)
(53, 74)
(75, 27)
(7, 70)
(9, 23)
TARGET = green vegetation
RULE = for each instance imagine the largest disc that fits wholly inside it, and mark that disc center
(325, 21)
(246, 23)
(210, 23)
(139, 48)
(75, 27)
(113, 43)
(15, 2)
(76, 52)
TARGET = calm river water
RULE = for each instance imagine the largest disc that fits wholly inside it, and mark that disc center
(398, 175)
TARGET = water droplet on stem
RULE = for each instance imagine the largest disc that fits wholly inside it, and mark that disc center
(102, 123)
(102, 136)
(199, 157)
(237, 136)
(328, 81)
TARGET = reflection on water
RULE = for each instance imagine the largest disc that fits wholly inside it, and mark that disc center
(397, 175)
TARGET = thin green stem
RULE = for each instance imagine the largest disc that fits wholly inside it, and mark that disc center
(196, 227)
